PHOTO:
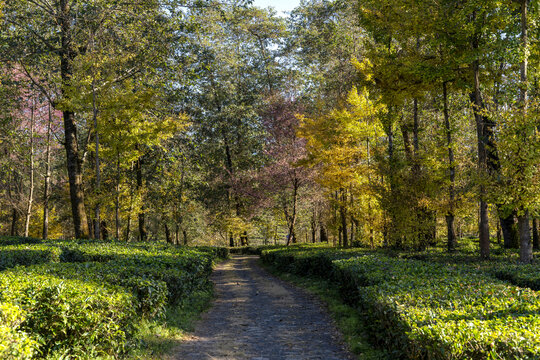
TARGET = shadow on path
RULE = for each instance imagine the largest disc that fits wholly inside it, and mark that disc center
(258, 317)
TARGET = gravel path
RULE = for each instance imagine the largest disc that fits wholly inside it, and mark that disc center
(258, 317)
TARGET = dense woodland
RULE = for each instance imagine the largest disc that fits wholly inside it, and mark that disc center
(372, 122)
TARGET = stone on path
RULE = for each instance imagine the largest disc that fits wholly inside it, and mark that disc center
(258, 317)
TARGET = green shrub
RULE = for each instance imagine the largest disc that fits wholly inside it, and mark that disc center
(421, 310)
(68, 314)
(217, 252)
(18, 240)
(24, 255)
(434, 311)
(14, 343)
(86, 298)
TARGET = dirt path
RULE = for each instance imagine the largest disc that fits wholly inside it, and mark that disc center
(258, 317)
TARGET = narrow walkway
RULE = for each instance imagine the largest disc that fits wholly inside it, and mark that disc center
(258, 317)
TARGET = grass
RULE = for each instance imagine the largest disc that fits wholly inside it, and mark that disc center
(158, 338)
(348, 319)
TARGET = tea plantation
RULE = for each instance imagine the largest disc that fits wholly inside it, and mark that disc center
(86, 299)
(430, 305)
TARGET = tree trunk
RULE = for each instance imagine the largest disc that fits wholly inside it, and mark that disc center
(451, 234)
(525, 250)
(536, 240)
(343, 215)
(104, 231)
(313, 224)
(184, 232)
(391, 238)
(47, 179)
(323, 234)
(484, 229)
(14, 221)
(98, 170)
(117, 199)
(168, 234)
(67, 55)
(142, 220)
(128, 225)
(510, 231)
(291, 217)
(416, 128)
(499, 232)
(31, 195)
(481, 126)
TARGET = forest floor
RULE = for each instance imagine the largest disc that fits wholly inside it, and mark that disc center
(256, 316)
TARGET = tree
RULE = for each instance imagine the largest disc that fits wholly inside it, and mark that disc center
(54, 38)
(339, 144)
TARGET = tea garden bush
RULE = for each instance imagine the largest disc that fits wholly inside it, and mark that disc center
(419, 309)
(62, 299)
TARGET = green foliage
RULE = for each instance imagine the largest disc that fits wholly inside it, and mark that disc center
(87, 298)
(68, 314)
(28, 255)
(422, 310)
(14, 343)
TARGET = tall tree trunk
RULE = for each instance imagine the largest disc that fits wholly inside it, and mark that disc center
(416, 128)
(343, 215)
(31, 195)
(525, 252)
(104, 231)
(128, 225)
(47, 178)
(323, 234)
(391, 238)
(117, 199)
(67, 55)
(291, 217)
(510, 231)
(184, 232)
(142, 220)
(168, 234)
(499, 232)
(481, 125)
(14, 221)
(313, 224)
(536, 240)
(98, 170)
(451, 237)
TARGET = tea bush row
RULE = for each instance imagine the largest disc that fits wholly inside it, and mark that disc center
(85, 299)
(422, 310)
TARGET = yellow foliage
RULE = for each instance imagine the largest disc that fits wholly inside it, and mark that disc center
(339, 142)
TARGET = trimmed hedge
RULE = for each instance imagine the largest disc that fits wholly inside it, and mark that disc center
(25, 255)
(18, 240)
(14, 343)
(66, 316)
(86, 298)
(420, 310)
